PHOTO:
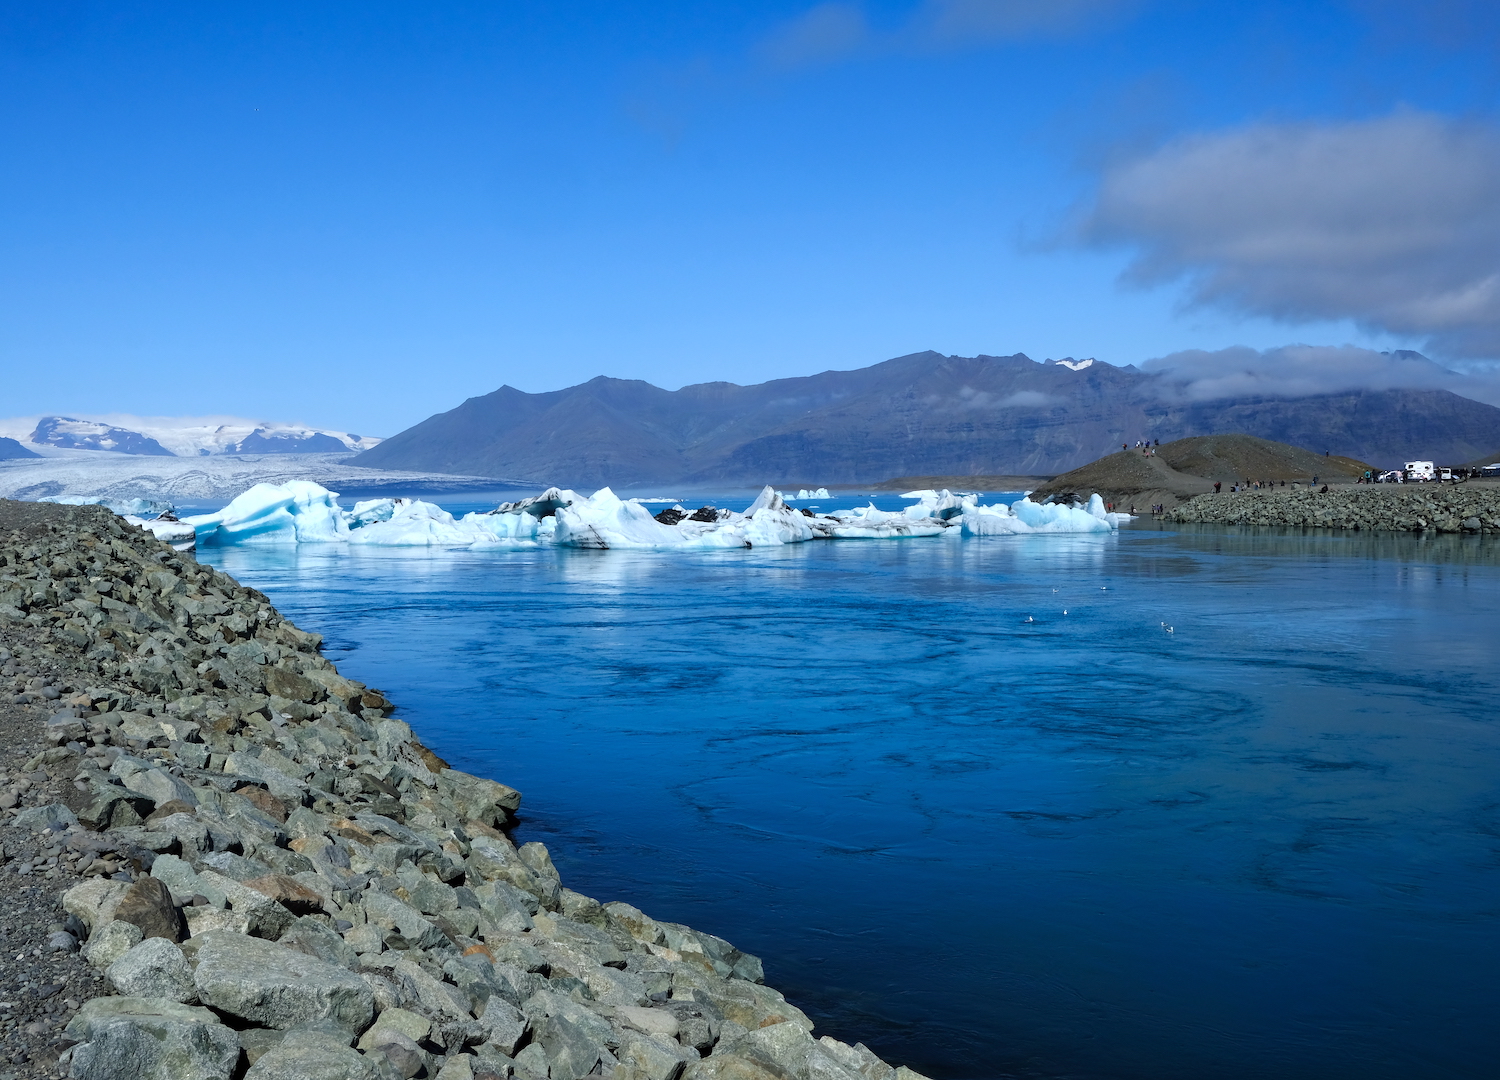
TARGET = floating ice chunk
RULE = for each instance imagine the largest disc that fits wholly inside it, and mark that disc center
(940, 505)
(820, 493)
(370, 511)
(768, 499)
(1025, 516)
(607, 521)
(414, 523)
(141, 508)
(539, 506)
(180, 534)
(295, 512)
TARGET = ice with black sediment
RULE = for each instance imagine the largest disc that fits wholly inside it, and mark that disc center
(302, 512)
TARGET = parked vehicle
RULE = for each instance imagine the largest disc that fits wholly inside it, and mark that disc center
(1394, 476)
(1420, 470)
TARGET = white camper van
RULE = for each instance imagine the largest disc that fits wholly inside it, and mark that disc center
(1419, 470)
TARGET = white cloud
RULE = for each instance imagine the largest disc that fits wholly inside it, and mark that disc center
(966, 20)
(823, 33)
(832, 31)
(1393, 223)
(969, 398)
(1306, 370)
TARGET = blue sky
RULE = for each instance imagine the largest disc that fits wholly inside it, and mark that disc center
(359, 214)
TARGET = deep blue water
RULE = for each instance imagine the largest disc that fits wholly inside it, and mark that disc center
(1265, 844)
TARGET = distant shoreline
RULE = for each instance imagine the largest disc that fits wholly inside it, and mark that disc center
(952, 483)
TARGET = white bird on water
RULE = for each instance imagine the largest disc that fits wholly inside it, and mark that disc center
(1029, 619)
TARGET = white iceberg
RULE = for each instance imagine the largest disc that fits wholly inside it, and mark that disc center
(1025, 516)
(179, 534)
(804, 494)
(300, 512)
(295, 512)
(140, 508)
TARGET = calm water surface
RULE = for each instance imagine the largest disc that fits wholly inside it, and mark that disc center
(1263, 844)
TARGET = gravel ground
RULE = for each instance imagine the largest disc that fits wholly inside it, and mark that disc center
(43, 979)
(41, 985)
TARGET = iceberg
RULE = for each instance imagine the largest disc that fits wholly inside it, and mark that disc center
(301, 512)
(804, 494)
(295, 512)
(124, 507)
(179, 534)
(1025, 516)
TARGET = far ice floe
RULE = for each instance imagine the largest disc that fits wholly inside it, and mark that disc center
(303, 512)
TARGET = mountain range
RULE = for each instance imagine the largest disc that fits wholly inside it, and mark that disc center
(922, 414)
(174, 436)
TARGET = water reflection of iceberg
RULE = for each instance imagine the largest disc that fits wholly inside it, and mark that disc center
(302, 512)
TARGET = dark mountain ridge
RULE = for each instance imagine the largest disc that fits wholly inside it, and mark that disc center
(923, 414)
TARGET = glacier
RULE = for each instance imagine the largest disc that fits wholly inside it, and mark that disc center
(303, 512)
(180, 436)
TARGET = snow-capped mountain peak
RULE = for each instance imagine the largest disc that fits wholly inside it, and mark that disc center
(177, 436)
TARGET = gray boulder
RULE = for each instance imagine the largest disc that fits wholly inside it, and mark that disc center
(477, 799)
(573, 1046)
(320, 1062)
(54, 816)
(64, 727)
(789, 1049)
(309, 936)
(391, 914)
(110, 942)
(160, 787)
(94, 902)
(277, 987)
(654, 1057)
(504, 1024)
(155, 968)
(402, 1054)
(131, 1038)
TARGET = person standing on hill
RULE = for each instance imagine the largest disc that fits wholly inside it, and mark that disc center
(1217, 485)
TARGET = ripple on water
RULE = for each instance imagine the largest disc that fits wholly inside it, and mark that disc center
(1262, 845)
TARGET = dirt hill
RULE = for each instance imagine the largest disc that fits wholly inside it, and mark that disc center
(1179, 470)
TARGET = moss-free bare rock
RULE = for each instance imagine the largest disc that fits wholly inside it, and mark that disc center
(155, 968)
(148, 904)
(132, 1038)
(274, 986)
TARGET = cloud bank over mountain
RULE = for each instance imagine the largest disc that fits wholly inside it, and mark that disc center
(1306, 370)
(1393, 223)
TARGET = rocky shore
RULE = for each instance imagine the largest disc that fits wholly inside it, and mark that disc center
(1472, 507)
(224, 859)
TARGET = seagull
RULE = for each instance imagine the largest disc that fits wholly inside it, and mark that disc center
(1029, 619)
(1065, 611)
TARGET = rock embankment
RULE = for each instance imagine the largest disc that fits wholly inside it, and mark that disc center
(279, 881)
(1390, 507)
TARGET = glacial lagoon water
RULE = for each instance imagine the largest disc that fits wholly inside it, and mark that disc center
(1235, 814)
